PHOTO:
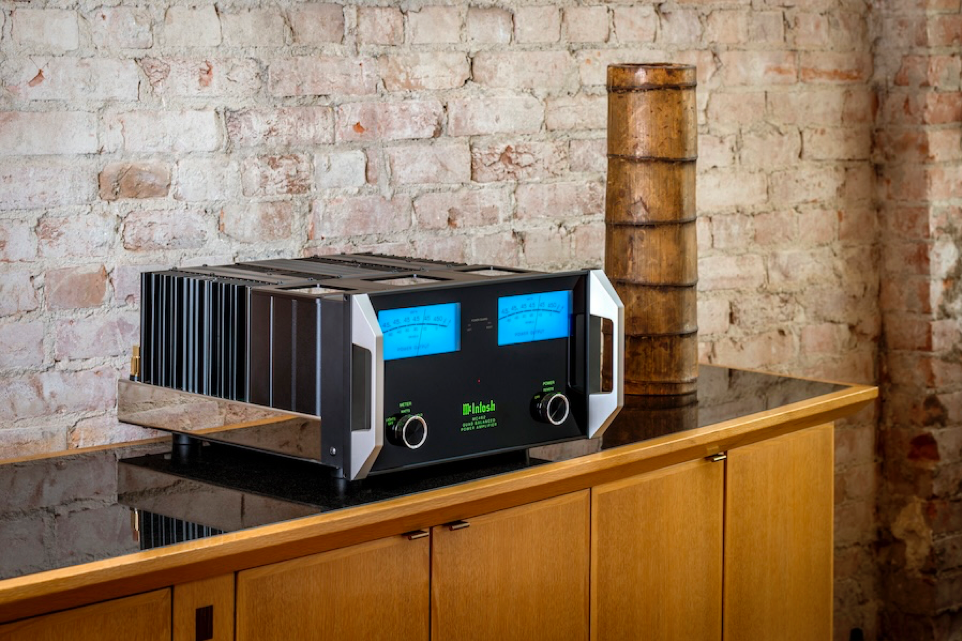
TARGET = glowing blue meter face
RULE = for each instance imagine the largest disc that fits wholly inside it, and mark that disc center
(420, 331)
(534, 317)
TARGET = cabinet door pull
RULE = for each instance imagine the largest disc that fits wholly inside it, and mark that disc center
(721, 456)
(416, 534)
(458, 525)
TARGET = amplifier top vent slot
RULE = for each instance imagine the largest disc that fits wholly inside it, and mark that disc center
(317, 290)
(491, 272)
(407, 281)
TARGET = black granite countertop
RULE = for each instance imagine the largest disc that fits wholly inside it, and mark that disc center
(66, 510)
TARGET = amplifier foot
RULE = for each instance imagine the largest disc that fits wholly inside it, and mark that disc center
(184, 449)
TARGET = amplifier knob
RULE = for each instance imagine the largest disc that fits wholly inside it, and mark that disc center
(554, 408)
(410, 431)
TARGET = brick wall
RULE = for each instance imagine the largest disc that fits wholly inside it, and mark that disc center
(920, 193)
(143, 136)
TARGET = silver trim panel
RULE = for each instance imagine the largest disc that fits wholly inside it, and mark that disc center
(603, 302)
(366, 443)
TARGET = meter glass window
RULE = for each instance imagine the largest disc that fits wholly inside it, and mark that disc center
(420, 331)
(534, 317)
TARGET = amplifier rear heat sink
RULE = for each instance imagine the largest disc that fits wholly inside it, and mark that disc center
(194, 333)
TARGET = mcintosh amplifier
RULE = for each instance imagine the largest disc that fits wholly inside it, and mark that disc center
(375, 363)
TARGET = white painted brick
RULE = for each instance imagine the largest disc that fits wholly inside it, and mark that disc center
(635, 23)
(589, 155)
(463, 209)
(52, 132)
(586, 24)
(159, 131)
(96, 337)
(315, 24)
(495, 114)
(159, 230)
(434, 25)
(537, 24)
(76, 236)
(424, 70)
(526, 160)
(277, 175)
(121, 28)
(72, 80)
(125, 280)
(559, 201)
(725, 189)
(447, 162)
(21, 345)
(323, 75)
(283, 126)
(17, 293)
(254, 28)
(380, 120)
(340, 169)
(18, 242)
(745, 272)
(46, 30)
(541, 70)
(356, 215)
(579, 112)
(258, 222)
(203, 77)
(43, 183)
(380, 25)
(816, 183)
(489, 25)
(206, 178)
(192, 27)
(58, 392)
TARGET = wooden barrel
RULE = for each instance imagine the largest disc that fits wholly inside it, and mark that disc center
(651, 251)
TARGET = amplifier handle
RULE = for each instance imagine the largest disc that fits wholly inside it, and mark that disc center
(603, 302)
(366, 443)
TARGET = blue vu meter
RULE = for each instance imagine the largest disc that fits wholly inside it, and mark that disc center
(420, 331)
(534, 317)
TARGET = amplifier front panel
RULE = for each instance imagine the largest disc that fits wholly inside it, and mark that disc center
(476, 364)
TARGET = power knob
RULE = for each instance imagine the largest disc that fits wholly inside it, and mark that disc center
(554, 408)
(410, 431)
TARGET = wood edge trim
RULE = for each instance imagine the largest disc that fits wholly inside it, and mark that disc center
(76, 586)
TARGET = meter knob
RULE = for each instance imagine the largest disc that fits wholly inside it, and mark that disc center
(554, 408)
(410, 431)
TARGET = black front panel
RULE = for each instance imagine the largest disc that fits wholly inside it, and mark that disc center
(482, 396)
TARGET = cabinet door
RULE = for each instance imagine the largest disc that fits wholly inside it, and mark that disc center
(656, 555)
(205, 609)
(520, 573)
(778, 538)
(145, 617)
(370, 591)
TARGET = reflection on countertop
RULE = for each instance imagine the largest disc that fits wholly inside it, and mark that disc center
(65, 510)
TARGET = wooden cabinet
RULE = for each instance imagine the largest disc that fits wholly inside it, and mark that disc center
(204, 610)
(370, 591)
(520, 573)
(663, 541)
(656, 555)
(145, 617)
(778, 538)
(674, 546)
